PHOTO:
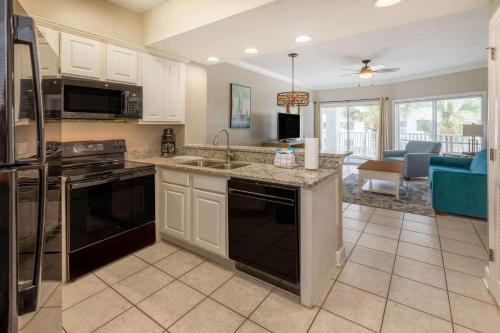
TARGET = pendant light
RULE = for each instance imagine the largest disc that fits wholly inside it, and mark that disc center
(293, 98)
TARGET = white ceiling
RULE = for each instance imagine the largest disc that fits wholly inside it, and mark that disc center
(440, 45)
(139, 6)
(272, 27)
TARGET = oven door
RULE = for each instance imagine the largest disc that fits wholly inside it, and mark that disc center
(100, 209)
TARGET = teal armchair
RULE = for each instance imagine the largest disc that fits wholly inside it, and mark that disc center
(459, 185)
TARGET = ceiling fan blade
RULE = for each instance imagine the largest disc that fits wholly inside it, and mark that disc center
(377, 67)
(388, 70)
(348, 74)
(348, 69)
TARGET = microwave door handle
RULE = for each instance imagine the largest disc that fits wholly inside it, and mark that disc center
(125, 100)
(29, 296)
(24, 33)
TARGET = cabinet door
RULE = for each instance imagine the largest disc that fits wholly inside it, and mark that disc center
(209, 221)
(174, 207)
(153, 88)
(80, 56)
(121, 64)
(175, 97)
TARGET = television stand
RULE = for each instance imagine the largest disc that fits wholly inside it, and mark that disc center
(285, 144)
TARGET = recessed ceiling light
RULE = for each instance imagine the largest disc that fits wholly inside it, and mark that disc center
(386, 3)
(302, 39)
(251, 50)
(212, 59)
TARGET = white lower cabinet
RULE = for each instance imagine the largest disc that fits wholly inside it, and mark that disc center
(209, 221)
(193, 208)
(175, 209)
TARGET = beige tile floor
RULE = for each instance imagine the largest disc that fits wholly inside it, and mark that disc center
(405, 273)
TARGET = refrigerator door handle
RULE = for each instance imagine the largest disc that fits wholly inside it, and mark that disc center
(29, 296)
(24, 33)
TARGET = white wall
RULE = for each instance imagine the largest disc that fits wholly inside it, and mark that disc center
(462, 82)
(263, 125)
(196, 103)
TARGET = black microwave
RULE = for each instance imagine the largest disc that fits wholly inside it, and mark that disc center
(72, 98)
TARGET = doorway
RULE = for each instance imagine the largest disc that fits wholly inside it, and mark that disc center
(351, 126)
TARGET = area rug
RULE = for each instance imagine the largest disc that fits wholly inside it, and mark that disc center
(414, 197)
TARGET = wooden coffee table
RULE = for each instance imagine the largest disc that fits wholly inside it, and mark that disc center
(383, 176)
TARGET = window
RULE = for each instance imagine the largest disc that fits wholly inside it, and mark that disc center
(439, 119)
(424, 126)
(350, 126)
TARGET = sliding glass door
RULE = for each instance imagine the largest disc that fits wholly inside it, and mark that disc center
(452, 114)
(350, 127)
(415, 122)
(440, 120)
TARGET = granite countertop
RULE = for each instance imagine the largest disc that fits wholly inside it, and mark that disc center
(269, 150)
(253, 171)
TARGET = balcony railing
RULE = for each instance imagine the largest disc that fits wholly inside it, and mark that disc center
(452, 143)
(364, 144)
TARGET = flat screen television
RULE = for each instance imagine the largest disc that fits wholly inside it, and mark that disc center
(288, 126)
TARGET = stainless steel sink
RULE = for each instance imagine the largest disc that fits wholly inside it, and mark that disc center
(203, 163)
(231, 165)
(215, 164)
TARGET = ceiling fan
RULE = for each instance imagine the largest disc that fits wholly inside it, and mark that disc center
(366, 72)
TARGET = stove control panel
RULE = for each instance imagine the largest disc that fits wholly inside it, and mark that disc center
(87, 148)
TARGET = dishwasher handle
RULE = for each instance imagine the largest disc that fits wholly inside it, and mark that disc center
(264, 197)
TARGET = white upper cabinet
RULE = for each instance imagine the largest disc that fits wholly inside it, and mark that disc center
(175, 97)
(153, 88)
(80, 56)
(163, 90)
(121, 64)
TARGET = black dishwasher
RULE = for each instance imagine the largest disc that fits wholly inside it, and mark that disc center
(264, 231)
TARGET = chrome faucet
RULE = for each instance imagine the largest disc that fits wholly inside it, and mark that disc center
(216, 139)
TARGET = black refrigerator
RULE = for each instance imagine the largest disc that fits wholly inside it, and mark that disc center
(30, 224)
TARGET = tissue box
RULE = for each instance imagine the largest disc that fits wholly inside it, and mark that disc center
(285, 160)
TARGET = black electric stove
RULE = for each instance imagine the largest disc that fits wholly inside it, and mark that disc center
(110, 204)
(96, 159)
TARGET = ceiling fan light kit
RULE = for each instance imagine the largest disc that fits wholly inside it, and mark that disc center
(367, 72)
(292, 98)
(366, 75)
(386, 3)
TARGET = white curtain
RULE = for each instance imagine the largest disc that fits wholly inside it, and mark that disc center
(317, 120)
(384, 127)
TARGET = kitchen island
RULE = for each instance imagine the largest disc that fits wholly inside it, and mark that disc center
(192, 205)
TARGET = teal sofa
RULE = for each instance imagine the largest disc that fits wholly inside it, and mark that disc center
(459, 185)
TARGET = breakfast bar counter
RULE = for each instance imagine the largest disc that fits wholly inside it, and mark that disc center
(320, 243)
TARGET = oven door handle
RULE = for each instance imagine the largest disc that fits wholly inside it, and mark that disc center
(95, 182)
